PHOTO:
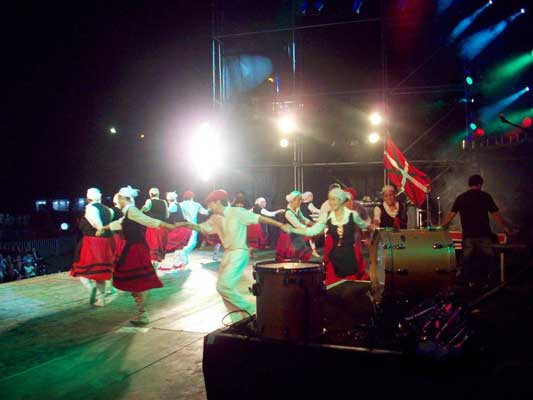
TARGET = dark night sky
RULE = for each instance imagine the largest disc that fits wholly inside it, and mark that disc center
(73, 70)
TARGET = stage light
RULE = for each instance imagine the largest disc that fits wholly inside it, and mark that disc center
(472, 100)
(479, 132)
(141, 135)
(490, 112)
(112, 130)
(463, 25)
(490, 2)
(375, 118)
(374, 138)
(473, 126)
(498, 77)
(64, 226)
(270, 79)
(286, 124)
(206, 151)
(523, 10)
(469, 80)
(284, 143)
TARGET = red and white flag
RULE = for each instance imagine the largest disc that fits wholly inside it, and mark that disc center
(408, 179)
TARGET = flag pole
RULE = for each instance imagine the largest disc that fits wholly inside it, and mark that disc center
(428, 214)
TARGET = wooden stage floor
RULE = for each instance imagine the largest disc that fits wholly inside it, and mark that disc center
(54, 346)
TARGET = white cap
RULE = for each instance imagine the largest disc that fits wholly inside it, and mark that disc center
(388, 188)
(154, 192)
(172, 196)
(94, 194)
(307, 196)
(260, 200)
(292, 195)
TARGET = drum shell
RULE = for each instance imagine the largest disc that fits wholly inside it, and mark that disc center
(289, 301)
(417, 262)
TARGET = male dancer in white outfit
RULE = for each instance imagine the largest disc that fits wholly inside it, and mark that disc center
(230, 224)
(190, 209)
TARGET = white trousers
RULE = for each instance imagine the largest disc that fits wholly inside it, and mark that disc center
(231, 269)
(182, 256)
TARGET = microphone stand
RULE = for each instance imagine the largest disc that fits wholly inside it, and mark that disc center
(522, 128)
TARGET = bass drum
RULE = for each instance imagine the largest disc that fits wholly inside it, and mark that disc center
(411, 262)
(289, 296)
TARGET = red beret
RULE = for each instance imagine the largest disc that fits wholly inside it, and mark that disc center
(216, 195)
(187, 195)
(351, 192)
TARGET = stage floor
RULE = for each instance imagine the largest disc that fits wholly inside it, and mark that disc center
(54, 346)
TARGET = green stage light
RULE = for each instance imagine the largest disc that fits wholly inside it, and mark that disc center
(497, 78)
(473, 126)
(469, 80)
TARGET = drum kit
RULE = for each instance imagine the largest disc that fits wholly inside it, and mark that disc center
(407, 263)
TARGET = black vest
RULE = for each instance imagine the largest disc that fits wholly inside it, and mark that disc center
(388, 222)
(133, 232)
(176, 216)
(284, 219)
(257, 209)
(306, 211)
(158, 210)
(342, 255)
(105, 216)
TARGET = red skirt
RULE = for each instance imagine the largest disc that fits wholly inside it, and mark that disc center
(178, 239)
(212, 240)
(97, 259)
(256, 237)
(120, 243)
(157, 242)
(331, 276)
(134, 271)
(289, 249)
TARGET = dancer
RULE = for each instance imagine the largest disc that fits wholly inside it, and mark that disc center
(156, 238)
(97, 255)
(339, 252)
(325, 207)
(240, 200)
(134, 271)
(190, 209)
(391, 213)
(179, 237)
(291, 246)
(312, 213)
(353, 204)
(230, 224)
(257, 237)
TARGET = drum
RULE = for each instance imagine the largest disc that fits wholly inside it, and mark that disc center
(411, 262)
(289, 296)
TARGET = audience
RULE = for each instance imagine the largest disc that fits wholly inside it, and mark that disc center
(16, 264)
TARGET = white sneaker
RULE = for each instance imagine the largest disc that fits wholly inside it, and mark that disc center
(100, 301)
(141, 320)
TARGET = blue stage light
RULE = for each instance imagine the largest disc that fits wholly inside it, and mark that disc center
(466, 22)
(523, 10)
(490, 112)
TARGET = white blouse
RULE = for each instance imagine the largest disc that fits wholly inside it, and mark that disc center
(137, 216)
(292, 218)
(392, 212)
(323, 222)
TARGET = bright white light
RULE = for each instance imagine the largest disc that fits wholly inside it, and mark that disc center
(375, 118)
(523, 10)
(113, 130)
(287, 124)
(284, 143)
(527, 88)
(64, 226)
(374, 137)
(206, 151)
(490, 2)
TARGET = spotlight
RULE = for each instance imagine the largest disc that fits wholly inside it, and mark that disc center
(375, 118)
(374, 138)
(472, 100)
(64, 226)
(479, 132)
(287, 124)
(112, 130)
(523, 10)
(142, 135)
(491, 2)
(473, 126)
(526, 88)
(284, 143)
(469, 80)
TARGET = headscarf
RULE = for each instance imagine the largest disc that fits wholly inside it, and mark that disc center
(94, 194)
(154, 192)
(387, 188)
(129, 193)
(172, 196)
(292, 195)
(307, 196)
(339, 194)
(260, 200)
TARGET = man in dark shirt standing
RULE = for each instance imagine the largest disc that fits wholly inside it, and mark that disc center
(474, 207)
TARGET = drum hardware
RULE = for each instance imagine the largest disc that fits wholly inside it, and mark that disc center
(399, 246)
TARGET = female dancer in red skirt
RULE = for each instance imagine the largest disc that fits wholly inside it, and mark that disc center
(134, 271)
(339, 251)
(96, 259)
(257, 238)
(291, 246)
(177, 238)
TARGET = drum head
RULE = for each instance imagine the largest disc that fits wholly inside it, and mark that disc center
(287, 266)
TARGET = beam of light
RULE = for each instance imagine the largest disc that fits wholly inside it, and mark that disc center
(443, 5)
(245, 72)
(499, 75)
(487, 114)
(206, 151)
(462, 26)
(472, 46)
(356, 7)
